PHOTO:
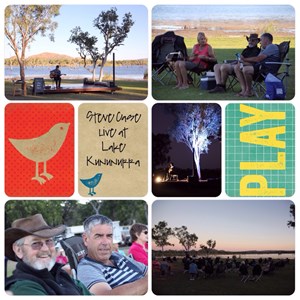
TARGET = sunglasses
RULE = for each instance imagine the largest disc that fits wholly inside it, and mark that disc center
(38, 245)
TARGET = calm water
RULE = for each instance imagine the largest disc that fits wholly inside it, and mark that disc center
(255, 256)
(223, 12)
(129, 72)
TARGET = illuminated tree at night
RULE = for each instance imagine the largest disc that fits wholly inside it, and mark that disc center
(196, 125)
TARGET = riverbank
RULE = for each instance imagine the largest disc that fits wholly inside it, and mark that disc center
(232, 29)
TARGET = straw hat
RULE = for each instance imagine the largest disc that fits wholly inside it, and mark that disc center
(33, 225)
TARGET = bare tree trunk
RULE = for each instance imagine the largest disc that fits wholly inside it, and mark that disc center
(22, 76)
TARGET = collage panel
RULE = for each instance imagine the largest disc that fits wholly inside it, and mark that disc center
(223, 247)
(186, 150)
(74, 247)
(113, 150)
(76, 52)
(223, 52)
(260, 150)
(39, 150)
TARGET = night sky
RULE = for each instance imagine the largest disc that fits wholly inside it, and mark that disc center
(180, 154)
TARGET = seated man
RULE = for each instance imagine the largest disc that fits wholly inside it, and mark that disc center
(56, 75)
(103, 271)
(222, 71)
(269, 53)
(30, 242)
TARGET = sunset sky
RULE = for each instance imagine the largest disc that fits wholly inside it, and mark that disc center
(235, 225)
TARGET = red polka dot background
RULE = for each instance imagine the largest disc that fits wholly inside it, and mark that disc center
(28, 121)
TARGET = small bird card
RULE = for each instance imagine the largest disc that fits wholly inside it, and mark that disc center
(260, 150)
(113, 150)
(39, 150)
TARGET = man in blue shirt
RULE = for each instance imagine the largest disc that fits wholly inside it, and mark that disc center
(103, 271)
(269, 53)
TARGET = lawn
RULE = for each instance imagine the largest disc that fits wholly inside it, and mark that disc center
(131, 90)
(281, 282)
(165, 92)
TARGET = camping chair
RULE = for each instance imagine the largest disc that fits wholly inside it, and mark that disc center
(195, 74)
(166, 49)
(75, 251)
(232, 80)
(258, 86)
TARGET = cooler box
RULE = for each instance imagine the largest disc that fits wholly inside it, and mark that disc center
(274, 88)
(208, 81)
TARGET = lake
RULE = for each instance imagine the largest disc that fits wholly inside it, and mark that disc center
(134, 72)
(223, 12)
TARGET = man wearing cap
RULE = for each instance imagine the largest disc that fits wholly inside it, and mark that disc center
(104, 271)
(222, 71)
(30, 242)
(269, 53)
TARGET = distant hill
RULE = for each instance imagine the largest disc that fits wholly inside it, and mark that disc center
(50, 55)
(50, 58)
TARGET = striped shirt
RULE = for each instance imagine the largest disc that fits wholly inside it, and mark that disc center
(125, 270)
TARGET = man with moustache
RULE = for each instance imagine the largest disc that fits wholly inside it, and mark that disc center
(104, 271)
(30, 242)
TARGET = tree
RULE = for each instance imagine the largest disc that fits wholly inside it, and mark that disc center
(186, 239)
(113, 33)
(51, 210)
(86, 48)
(196, 125)
(161, 233)
(291, 223)
(210, 246)
(22, 24)
(161, 145)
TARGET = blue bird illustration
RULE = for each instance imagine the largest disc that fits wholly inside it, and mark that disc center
(91, 183)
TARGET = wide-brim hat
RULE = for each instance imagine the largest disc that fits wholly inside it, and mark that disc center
(253, 36)
(33, 225)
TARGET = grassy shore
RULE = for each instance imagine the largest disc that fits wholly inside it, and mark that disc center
(165, 92)
(131, 90)
(280, 282)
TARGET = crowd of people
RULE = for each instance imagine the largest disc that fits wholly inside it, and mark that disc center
(209, 267)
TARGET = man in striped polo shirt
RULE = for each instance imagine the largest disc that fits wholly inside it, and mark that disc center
(103, 271)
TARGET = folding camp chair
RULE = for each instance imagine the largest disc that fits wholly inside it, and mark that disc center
(166, 49)
(75, 251)
(232, 80)
(275, 68)
(195, 74)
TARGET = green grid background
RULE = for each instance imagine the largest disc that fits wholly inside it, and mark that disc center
(237, 151)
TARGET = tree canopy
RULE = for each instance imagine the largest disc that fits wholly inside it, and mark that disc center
(161, 146)
(86, 48)
(291, 223)
(210, 245)
(23, 23)
(112, 32)
(73, 213)
(161, 233)
(186, 239)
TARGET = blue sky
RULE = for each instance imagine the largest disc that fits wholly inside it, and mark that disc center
(135, 46)
(235, 225)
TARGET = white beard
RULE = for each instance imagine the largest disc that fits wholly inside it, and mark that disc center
(40, 265)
